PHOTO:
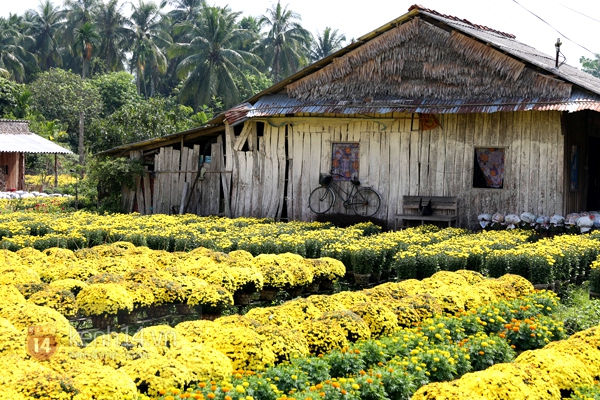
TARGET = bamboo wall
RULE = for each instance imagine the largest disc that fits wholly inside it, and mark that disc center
(397, 159)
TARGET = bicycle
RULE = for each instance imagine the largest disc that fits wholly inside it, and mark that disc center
(364, 201)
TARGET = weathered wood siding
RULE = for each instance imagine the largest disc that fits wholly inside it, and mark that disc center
(175, 186)
(258, 171)
(397, 159)
(16, 165)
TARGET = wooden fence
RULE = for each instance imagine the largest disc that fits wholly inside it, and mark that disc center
(183, 181)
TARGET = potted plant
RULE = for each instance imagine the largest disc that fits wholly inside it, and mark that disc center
(210, 301)
(102, 302)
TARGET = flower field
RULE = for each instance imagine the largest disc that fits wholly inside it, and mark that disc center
(392, 326)
(363, 248)
(459, 316)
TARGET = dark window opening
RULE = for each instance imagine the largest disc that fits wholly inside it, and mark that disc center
(260, 129)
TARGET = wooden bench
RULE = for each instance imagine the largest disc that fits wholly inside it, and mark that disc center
(445, 209)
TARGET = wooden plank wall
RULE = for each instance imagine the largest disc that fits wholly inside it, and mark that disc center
(13, 160)
(258, 173)
(397, 159)
(174, 173)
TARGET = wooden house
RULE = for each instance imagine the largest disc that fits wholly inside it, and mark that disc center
(15, 141)
(426, 105)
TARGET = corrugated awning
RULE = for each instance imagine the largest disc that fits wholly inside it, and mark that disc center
(29, 143)
(275, 105)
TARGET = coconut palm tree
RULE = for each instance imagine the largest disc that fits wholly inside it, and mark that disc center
(150, 40)
(285, 48)
(44, 28)
(115, 33)
(186, 10)
(86, 40)
(328, 42)
(211, 62)
(14, 55)
(78, 12)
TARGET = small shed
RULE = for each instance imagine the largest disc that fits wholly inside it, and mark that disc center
(426, 105)
(15, 141)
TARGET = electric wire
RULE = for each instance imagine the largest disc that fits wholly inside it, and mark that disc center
(580, 13)
(560, 33)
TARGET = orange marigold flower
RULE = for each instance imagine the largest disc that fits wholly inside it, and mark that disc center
(481, 353)
(369, 380)
(202, 384)
(211, 395)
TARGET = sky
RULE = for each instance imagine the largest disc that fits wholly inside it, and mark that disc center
(575, 22)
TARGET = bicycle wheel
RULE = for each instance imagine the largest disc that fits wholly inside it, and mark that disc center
(321, 200)
(366, 202)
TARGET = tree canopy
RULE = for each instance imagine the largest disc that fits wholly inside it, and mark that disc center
(127, 73)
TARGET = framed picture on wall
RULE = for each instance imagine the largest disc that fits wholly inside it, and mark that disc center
(574, 169)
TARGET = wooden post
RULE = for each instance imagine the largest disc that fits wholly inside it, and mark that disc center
(81, 135)
(225, 180)
(183, 195)
(147, 192)
(55, 171)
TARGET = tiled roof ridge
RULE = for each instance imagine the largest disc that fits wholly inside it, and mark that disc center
(453, 18)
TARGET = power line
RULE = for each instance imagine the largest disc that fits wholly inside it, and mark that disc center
(580, 13)
(541, 19)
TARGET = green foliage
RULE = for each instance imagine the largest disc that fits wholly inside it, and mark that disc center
(13, 99)
(577, 310)
(117, 89)
(259, 82)
(61, 95)
(103, 184)
(586, 392)
(211, 58)
(327, 42)
(138, 121)
(591, 66)
(285, 46)
(343, 363)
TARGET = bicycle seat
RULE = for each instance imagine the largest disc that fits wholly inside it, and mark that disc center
(355, 181)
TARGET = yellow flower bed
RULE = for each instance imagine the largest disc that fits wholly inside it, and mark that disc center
(161, 357)
(535, 374)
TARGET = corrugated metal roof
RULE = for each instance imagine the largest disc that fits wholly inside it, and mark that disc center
(15, 137)
(29, 143)
(279, 104)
